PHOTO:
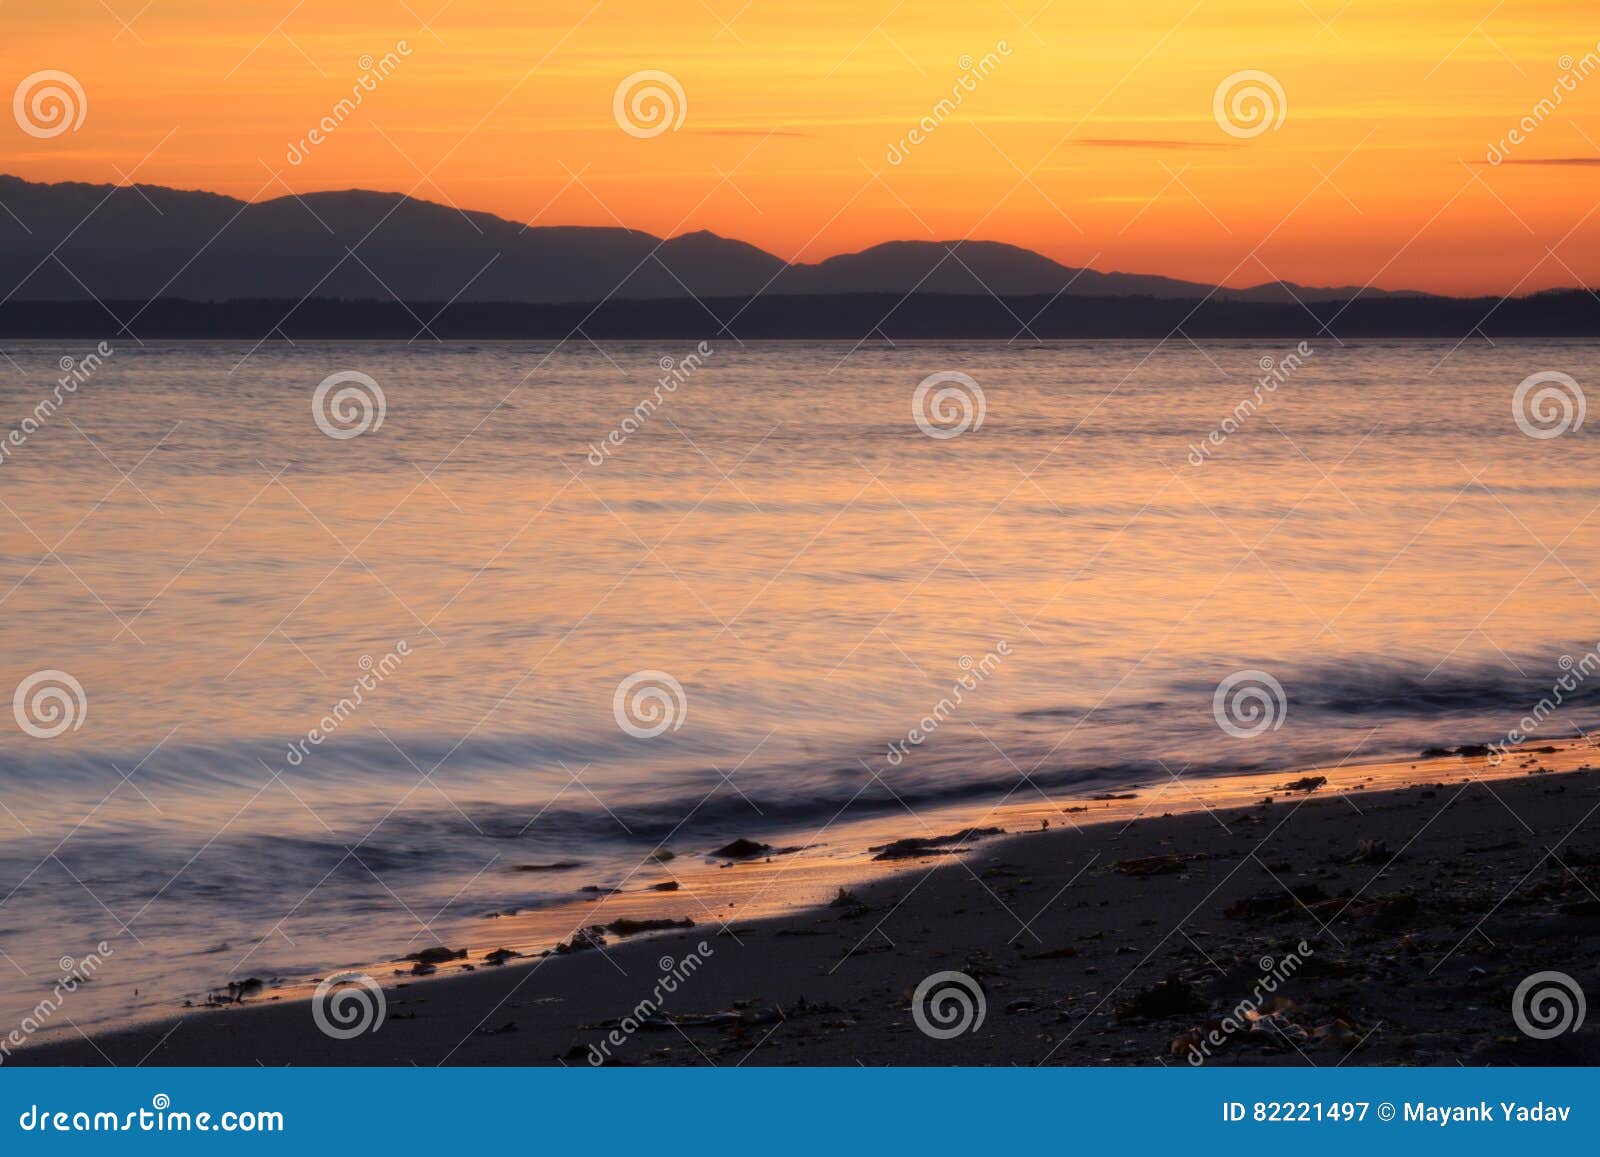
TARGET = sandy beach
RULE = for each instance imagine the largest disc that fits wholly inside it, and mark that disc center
(1352, 920)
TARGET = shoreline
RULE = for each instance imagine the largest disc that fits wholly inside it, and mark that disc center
(814, 973)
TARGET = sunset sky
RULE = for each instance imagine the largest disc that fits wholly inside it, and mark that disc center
(1093, 141)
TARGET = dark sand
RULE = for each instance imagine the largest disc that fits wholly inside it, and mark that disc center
(1421, 909)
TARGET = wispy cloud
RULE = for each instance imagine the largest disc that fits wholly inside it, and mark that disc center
(1143, 143)
(1581, 162)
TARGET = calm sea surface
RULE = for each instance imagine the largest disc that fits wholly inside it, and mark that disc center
(785, 575)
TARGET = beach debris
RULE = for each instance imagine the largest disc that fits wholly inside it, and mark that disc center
(627, 927)
(1275, 902)
(1306, 783)
(237, 990)
(1107, 795)
(1169, 997)
(1466, 750)
(742, 849)
(1370, 852)
(1339, 1032)
(557, 866)
(499, 956)
(1390, 911)
(665, 886)
(742, 1015)
(509, 1026)
(867, 950)
(600, 890)
(421, 969)
(1064, 953)
(914, 846)
(438, 954)
(582, 940)
(594, 936)
(1159, 865)
(663, 855)
(853, 906)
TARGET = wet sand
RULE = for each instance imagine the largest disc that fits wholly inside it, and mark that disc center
(1356, 925)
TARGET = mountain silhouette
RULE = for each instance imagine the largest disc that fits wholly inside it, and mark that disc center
(73, 241)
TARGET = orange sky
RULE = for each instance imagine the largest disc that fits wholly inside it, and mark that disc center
(1375, 175)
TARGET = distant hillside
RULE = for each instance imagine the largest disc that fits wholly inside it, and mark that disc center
(136, 243)
(837, 317)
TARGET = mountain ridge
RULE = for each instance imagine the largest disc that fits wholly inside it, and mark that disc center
(72, 241)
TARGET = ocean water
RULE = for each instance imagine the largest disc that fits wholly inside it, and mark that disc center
(583, 627)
